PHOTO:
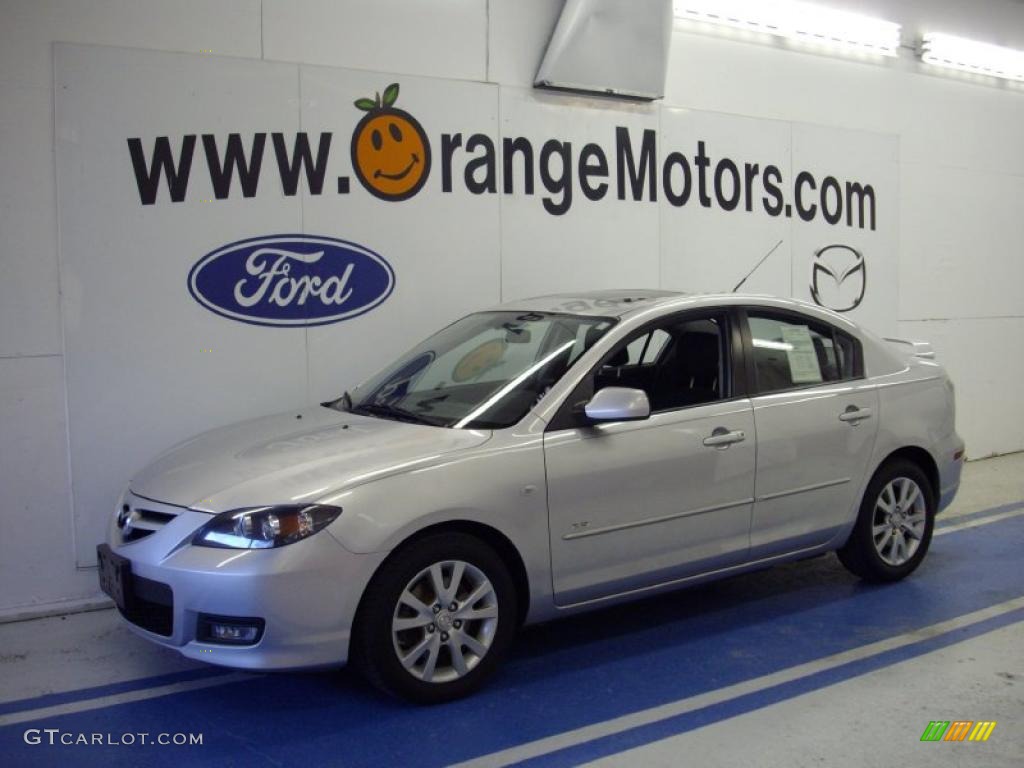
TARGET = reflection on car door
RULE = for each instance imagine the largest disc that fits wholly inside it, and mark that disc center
(636, 504)
(816, 419)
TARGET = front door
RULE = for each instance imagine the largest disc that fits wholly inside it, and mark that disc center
(641, 503)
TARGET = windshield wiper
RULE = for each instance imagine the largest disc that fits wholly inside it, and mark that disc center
(427, 403)
(343, 403)
(393, 412)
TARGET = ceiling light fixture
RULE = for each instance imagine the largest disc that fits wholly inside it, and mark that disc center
(972, 56)
(804, 23)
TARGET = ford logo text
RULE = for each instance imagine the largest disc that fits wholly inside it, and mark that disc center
(291, 280)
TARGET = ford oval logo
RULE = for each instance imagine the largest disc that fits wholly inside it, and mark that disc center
(291, 280)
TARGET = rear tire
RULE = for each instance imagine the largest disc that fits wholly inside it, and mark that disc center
(436, 620)
(894, 526)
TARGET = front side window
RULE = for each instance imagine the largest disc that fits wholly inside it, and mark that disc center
(483, 371)
(646, 347)
(797, 352)
(678, 364)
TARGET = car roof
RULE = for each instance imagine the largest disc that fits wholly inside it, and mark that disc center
(625, 302)
(607, 303)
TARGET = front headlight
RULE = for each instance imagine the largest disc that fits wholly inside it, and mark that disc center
(265, 527)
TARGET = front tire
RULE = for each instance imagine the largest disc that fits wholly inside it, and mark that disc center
(894, 526)
(436, 620)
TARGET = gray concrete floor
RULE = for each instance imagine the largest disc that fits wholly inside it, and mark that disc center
(860, 722)
(83, 650)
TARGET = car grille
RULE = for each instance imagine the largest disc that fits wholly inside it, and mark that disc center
(151, 606)
(139, 517)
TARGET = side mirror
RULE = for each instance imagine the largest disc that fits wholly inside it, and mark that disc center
(618, 404)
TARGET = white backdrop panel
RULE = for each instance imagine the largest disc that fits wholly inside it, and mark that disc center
(146, 365)
(970, 265)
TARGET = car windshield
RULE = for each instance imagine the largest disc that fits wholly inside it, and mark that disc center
(484, 371)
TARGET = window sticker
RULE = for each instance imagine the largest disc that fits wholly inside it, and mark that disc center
(803, 360)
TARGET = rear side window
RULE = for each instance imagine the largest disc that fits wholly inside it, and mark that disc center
(791, 352)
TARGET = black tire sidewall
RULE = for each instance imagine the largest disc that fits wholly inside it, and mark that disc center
(864, 553)
(375, 651)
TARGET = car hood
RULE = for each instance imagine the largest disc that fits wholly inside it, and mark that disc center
(292, 457)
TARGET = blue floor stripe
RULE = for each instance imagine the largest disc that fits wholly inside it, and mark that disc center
(563, 675)
(673, 726)
(137, 684)
(946, 522)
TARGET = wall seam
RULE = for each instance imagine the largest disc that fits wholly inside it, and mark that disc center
(302, 229)
(501, 204)
(661, 204)
(487, 41)
(792, 224)
(72, 519)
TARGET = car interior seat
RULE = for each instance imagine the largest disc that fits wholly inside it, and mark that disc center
(689, 373)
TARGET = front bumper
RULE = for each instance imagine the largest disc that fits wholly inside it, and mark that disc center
(306, 593)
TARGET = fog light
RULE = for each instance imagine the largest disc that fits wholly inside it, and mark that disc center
(233, 633)
(229, 630)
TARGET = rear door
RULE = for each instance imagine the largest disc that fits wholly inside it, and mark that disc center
(816, 418)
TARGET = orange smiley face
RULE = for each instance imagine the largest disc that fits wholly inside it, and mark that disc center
(390, 150)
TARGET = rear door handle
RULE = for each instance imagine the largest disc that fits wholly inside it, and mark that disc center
(854, 415)
(723, 438)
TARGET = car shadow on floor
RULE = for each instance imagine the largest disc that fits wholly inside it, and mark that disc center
(664, 621)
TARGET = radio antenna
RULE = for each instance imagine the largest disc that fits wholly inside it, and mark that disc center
(741, 282)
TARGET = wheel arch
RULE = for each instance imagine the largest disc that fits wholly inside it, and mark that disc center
(491, 536)
(922, 458)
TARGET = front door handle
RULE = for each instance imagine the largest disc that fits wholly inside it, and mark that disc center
(854, 415)
(723, 438)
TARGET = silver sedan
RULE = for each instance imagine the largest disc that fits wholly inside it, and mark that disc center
(544, 457)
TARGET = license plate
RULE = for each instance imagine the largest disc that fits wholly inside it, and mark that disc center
(115, 575)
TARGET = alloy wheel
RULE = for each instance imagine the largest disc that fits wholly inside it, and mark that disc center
(445, 621)
(899, 521)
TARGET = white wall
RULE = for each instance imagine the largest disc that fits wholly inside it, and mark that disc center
(962, 180)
